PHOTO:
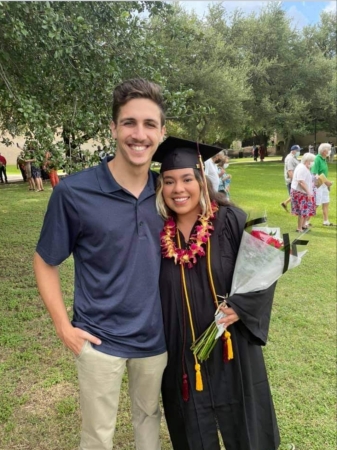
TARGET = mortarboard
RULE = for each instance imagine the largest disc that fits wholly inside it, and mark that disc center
(177, 153)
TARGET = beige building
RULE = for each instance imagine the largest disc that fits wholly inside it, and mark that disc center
(11, 153)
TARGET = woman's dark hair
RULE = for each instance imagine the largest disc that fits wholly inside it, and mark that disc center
(137, 88)
(166, 212)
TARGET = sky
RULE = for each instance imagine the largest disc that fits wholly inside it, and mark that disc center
(302, 13)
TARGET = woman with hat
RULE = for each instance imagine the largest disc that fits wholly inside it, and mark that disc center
(226, 394)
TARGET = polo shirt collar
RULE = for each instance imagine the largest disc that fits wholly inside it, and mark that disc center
(107, 182)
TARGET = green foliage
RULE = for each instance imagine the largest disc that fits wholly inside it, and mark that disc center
(224, 76)
(59, 62)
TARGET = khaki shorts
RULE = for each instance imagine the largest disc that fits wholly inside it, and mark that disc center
(322, 195)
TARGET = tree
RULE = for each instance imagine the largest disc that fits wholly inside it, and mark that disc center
(286, 81)
(319, 42)
(199, 63)
(59, 62)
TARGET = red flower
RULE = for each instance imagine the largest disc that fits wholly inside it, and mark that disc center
(267, 238)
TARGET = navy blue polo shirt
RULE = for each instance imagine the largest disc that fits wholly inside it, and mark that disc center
(115, 242)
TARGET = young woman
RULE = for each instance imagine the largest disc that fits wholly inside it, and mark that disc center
(200, 243)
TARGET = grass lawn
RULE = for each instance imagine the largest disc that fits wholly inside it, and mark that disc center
(39, 405)
(12, 170)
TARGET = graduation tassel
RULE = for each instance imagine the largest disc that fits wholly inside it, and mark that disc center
(198, 378)
(227, 347)
(198, 382)
(186, 395)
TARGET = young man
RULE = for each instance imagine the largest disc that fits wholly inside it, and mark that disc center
(106, 217)
(290, 164)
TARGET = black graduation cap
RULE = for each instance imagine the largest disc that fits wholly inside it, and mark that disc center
(177, 153)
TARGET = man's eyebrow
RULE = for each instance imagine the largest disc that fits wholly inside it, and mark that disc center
(133, 119)
(152, 121)
(128, 118)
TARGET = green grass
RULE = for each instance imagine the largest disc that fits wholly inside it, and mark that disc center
(12, 170)
(39, 406)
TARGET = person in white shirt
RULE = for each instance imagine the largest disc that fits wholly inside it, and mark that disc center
(211, 170)
(302, 192)
(290, 164)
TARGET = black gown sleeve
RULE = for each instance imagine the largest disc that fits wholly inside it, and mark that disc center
(254, 311)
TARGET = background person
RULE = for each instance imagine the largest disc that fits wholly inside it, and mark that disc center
(36, 174)
(319, 167)
(211, 170)
(255, 152)
(262, 152)
(20, 164)
(302, 192)
(27, 159)
(103, 215)
(290, 164)
(235, 398)
(333, 152)
(225, 178)
(3, 172)
(50, 163)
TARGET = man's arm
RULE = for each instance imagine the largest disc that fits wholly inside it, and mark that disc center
(290, 174)
(48, 282)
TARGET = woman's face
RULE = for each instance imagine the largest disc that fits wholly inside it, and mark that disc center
(181, 191)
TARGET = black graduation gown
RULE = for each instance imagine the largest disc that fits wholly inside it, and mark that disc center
(236, 398)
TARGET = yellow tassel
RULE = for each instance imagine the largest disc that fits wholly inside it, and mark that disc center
(229, 345)
(198, 385)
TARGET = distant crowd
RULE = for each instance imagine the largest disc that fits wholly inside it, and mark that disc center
(36, 167)
(308, 184)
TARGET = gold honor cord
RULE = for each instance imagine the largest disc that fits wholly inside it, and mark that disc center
(198, 382)
(226, 337)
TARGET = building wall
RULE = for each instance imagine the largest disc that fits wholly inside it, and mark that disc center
(321, 136)
(12, 152)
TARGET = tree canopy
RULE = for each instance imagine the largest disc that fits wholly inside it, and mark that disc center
(225, 76)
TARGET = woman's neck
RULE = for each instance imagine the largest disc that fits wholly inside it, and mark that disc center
(185, 223)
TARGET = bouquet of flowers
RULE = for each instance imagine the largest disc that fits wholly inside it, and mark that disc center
(263, 257)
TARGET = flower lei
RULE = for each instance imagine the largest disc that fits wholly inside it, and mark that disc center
(196, 242)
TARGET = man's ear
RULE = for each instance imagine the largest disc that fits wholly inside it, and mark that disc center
(113, 129)
(163, 132)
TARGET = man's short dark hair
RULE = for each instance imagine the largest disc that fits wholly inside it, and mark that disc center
(137, 88)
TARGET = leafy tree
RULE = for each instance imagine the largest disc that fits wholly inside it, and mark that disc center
(59, 62)
(319, 42)
(199, 63)
(286, 81)
(225, 76)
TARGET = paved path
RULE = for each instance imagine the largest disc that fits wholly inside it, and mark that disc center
(14, 178)
(18, 178)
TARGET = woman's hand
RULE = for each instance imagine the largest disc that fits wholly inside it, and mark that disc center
(231, 316)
